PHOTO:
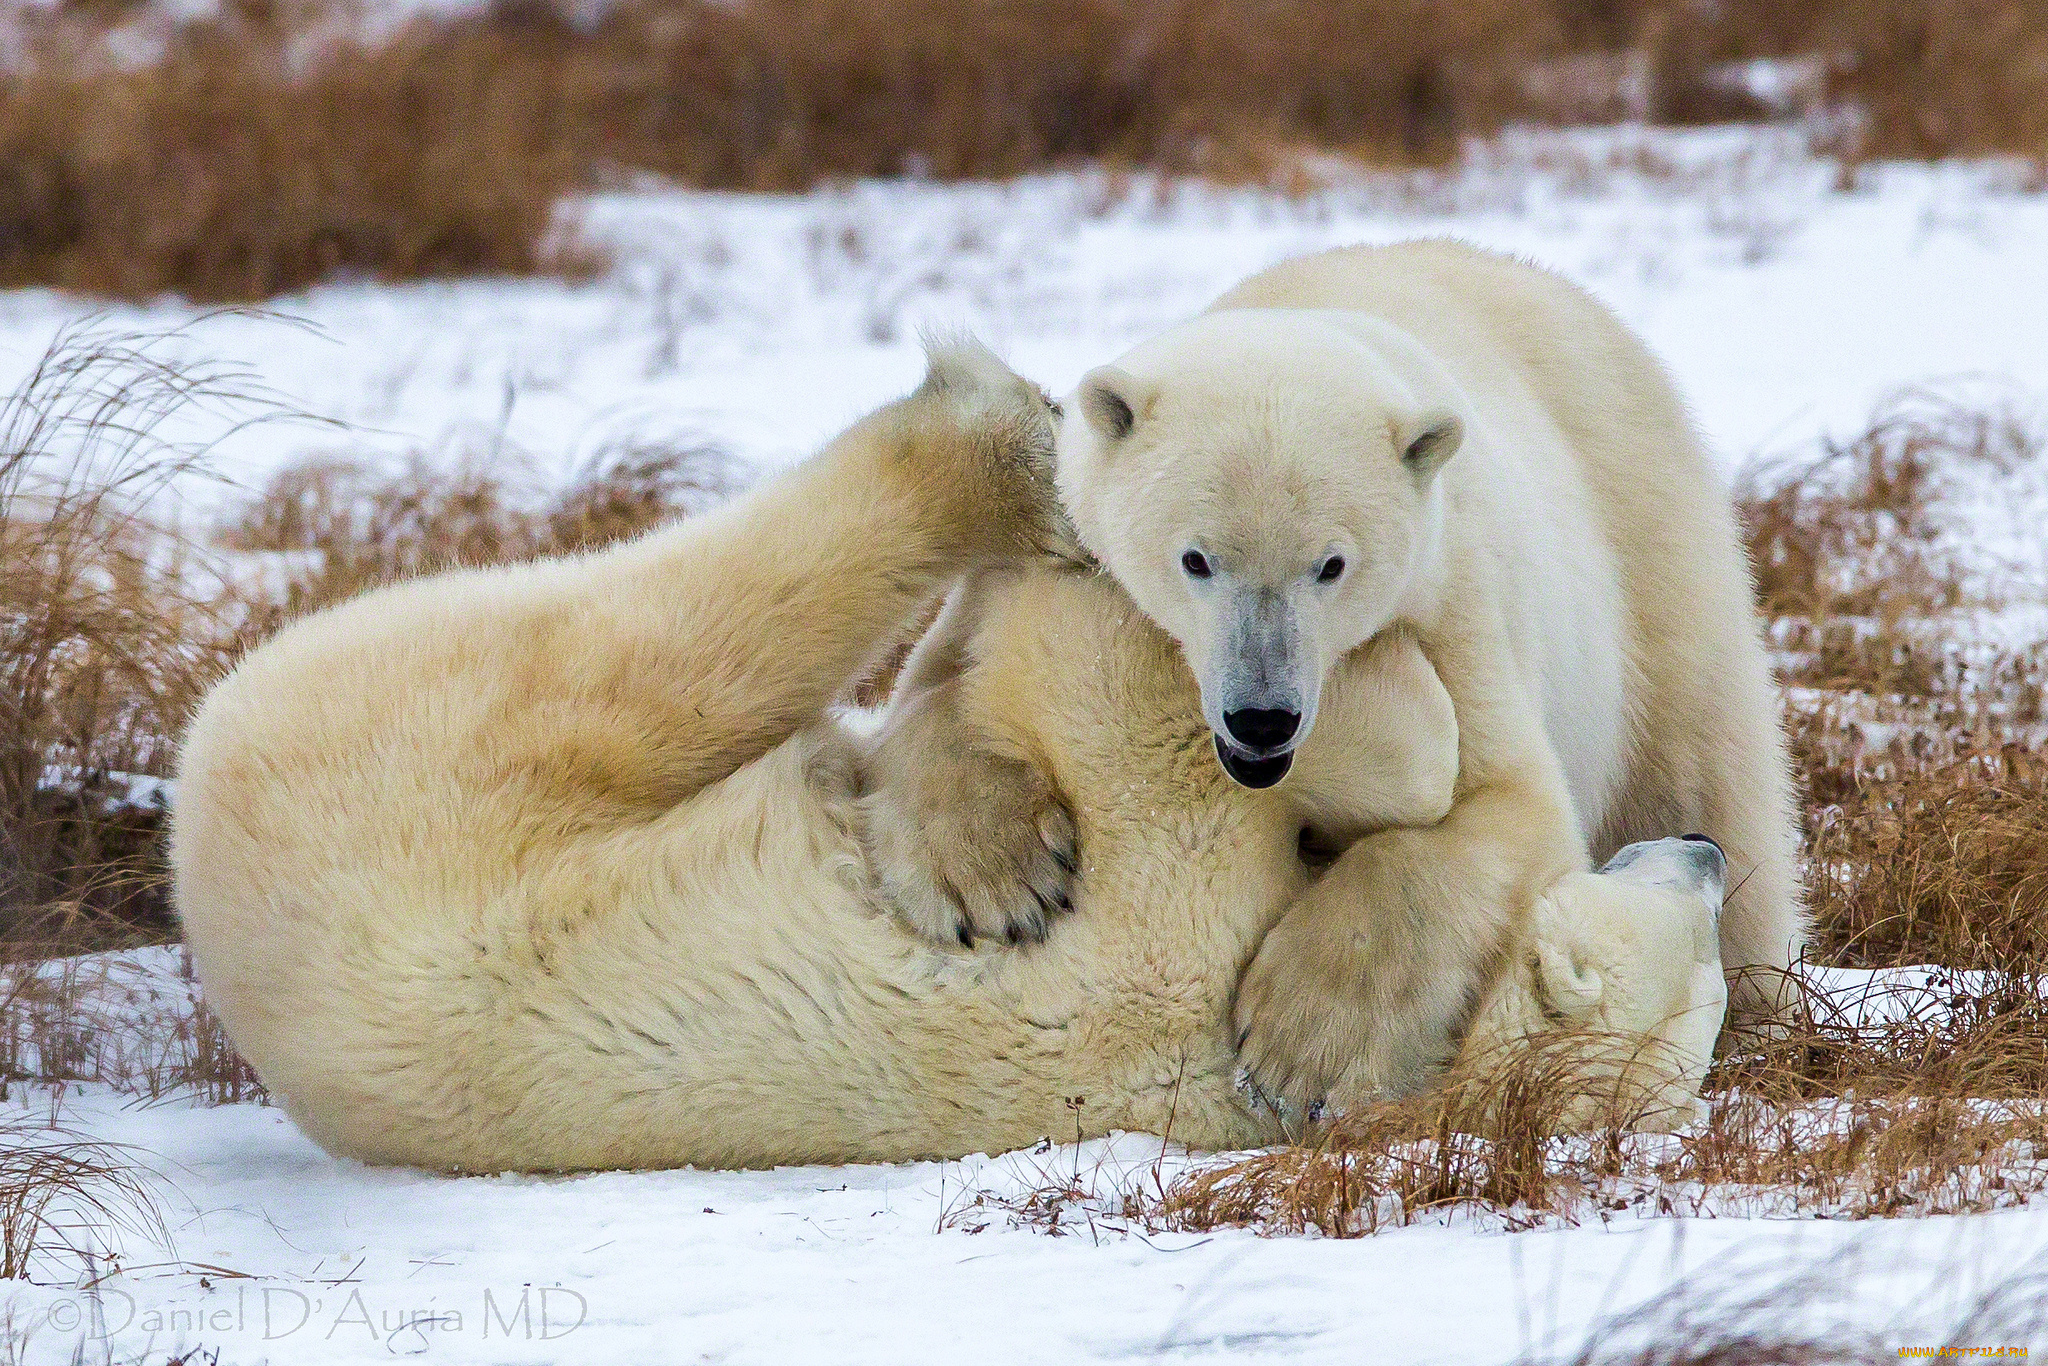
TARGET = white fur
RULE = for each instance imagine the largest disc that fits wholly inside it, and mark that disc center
(561, 866)
(1572, 573)
(1627, 963)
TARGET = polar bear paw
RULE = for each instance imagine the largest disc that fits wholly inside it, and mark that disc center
(970, 844)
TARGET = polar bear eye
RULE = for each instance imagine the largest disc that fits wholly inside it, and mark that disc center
(1332, 570)
(1196, 564)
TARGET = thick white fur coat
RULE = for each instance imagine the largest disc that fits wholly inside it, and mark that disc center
(560, 866)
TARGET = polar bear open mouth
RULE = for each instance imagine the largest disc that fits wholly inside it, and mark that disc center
(1248, 770)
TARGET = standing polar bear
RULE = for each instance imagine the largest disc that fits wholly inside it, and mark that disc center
(1432, 442)
(1438, 440)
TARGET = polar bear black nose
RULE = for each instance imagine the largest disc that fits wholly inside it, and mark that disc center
(1262, 728)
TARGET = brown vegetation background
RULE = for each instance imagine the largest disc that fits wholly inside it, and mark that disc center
(255, 156)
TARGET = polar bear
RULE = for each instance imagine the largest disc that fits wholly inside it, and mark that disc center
(562, 865)
(571, 865)
(1435, 438)
(1437, 442)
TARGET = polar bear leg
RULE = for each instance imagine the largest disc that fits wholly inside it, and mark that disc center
(1763, 929)
(1363, 987)
(730, 633)
(1712, 760)
(966, 833)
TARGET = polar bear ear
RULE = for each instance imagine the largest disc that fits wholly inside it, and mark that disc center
(1565, 984)
(1112, 401)
(1431, 440)
(957, 362)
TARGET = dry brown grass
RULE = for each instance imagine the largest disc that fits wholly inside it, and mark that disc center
(254, 158)
(1925, 755)
(102, 649)
(1855, 529)
(248, 161)
(241, 164)
(112, 626)
(1934, 860)
(63, 1199)
(335, 527)
(115, 1023)
(1909, 78)
(222, 173)
(1936, 1113)
(1938, 78)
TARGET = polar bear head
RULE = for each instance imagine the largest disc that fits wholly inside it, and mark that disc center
(1632, 954)
(1615, 990)
(1263, 483)
(1636, 947)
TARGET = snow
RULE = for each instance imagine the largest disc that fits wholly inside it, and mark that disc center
(111, 789)
(1875, 997)
(1786, 304)
(845, 1265)
(277, 1252)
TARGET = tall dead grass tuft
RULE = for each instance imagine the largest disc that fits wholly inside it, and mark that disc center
(1934, 860)
(1859, 528)
(121, 1021)
(1837, 1117)
(64, 1199)
(1938, 78)
(200, 1061)
(113, 624)
(102, 649)
(1487, 1138)
(228, 171)
(247, 161)
(1925, 755)
(253, 156)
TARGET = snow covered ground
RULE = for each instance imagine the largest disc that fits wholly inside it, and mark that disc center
(277, 1252)
(1786, 303)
